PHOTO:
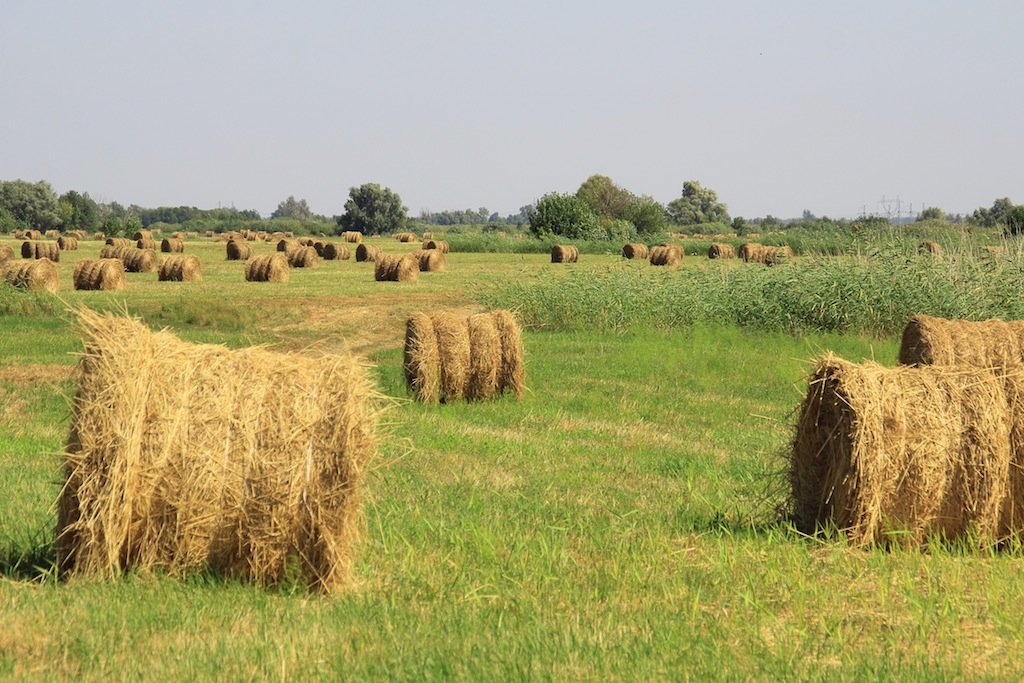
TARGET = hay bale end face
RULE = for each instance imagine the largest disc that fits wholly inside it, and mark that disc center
(268, 268)
(396, 268)
(564, 253)
(720, 250)
(102, 274)
(67, 243)
(180, 269)
(238, 250)
(666, 255)
(367, 253)
(635, 250)
(302, 257)
(435, 244)
(175, 473)
(336, 252)
(36, 276)
(172, 245)
(430, 260)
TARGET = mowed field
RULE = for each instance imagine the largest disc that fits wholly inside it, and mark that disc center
(622, 521)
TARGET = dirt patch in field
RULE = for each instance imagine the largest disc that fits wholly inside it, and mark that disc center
(35, 374)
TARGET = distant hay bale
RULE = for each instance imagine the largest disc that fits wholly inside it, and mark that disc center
(285, 245)
(421, 363)
(352, 236)
(180, 269)
(453, 353)
(38, 250)
(172, 245)
(238, 250)
(6, 253)
(52, 234)
(180, 235)
(134, 260)
(302, 257)
(120, 242)
(635, 250)
(430, 260)
(171, 467)
(34, 235)
(406, 237)
(564, 253)
(336, 252)
(899, 455)
(436, 244)
(146, 244)
(142, 235)
(666, 255)
(773, 256)
(427, 236)
(752, 252)
(210, 233)
(985, 344)
(104, 274)
(67, 243)
(396, 268)
(306, 241)
(36, 276)
(268, 268)
(721, 250)
(367, 252)
(99, 236)
(929, 248)
(484, 357)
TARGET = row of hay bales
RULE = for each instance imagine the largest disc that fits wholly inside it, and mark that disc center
(752, 252)
(933, 448)
(39, 250)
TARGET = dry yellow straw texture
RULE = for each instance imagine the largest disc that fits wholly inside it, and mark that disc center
(367, 252)
(186, 457)
(120, 242)
(666, 255)
(302, 257)
(352, 236)
(396, 268)
(172, 245)
(6, 253)
(430, 260)
(453, 352)
(564, 253)
(635, 250)
(67, 243)
(900, 455)
(238, 250)
(986, 344)
(146, 243)
(38, 250)
(106, 274)
(484, 357)
(134, 260)
(721, 250)
(929, 247)
(421, 363)
(143, 235)
(752, 252)
(773, 256)
(336, 252)
(36, 276)
(435, 244)
(180, 269)
(268, 268)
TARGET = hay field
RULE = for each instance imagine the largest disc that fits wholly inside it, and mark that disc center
(616, 523)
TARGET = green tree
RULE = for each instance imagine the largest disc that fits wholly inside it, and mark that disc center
(604, 197)
(373, 210)
(292, 208)
(996, 215)
(30, 204)
(697, 205)
(647, 215)
(78, 211)
(565, 215)
(1014, 220)
(931, 213)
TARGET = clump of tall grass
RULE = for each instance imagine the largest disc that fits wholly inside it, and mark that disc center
(18, 302)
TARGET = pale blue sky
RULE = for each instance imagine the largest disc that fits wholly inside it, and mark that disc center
(778, 106)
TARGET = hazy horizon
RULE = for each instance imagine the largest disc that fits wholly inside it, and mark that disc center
(779, 108)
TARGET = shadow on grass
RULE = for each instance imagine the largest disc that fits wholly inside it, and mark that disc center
(29, 559)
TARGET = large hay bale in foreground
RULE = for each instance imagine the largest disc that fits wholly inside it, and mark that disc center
(134, 260)
(367, 252)
(635, 250)
(985, 344)
(336, 252)
(36, 276)
(38, 250)
(170, 468)
(104, 274)
(172, 245)
(268, 268)
(302, 257)
(238, 250)
(396, 268)
(352, 236)
(720, 250)
(898, 455)
(180, 269)
(564, 253)
(67, 243)
(666, 255)
(929, 248)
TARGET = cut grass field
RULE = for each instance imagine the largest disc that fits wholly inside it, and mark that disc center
(620, 522)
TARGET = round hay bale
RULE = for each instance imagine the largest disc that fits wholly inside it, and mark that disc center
(302, 257)
(142, 235)
(452, 334)
(67, 243)
(406, 237)
(427, 236)
(564, 253)
(436, 244)
(28, 250)
(6, 253)
(635, 250)
(336, 252)
(367, 252)
(238, 250)
(180, 269)
(268, 268)
(666, 255)
(133, 260)
(720, 250)
(985, 344)
(421, 362)
(172, 245)
(752, 252)
(900, 455)
(120, 242)
(146, 243)
(286, 245)
(430, 260)
(104, 274)
(306, 241)
(179, 474)
(352, 236)
(51, 234)
(38, 250)
(396, 268)
(36, 276)
(929, 248)
(773, 256)
(511, 374)
(484, 357)
(34, 235)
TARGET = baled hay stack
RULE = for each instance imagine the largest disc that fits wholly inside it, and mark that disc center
(436, 244)
(302, 257)
(77, 234)
(21, 235)
(306, 241)
(148, 243)
(275, 237)
(35, 276)
(396, 268)
(142, 235)
(721, 250)
(210, 233)
(180, 269)
(421, 363)
(430, 260)
(67, 243)
(773, 256)
(666, 255)
(564, 253)
(268, 268)
(238, 250)
(336, 252)
(120, 242)
(51, 234)
(898, 455)
(34, 235)
(134, 260)
(105, 273)
(38, 250)
(99, 236)
(427, 236)
(319, 245)
(984, 344)
(930, 248)
(453, 354)
(752, 252)
(511, 375)
(484, 357)
(188, 457)
(635, 250)
(367, 252)
(172, 245)
(6, 253)
(406, 237)
(179, 235)
(352, 236)
(286, 245)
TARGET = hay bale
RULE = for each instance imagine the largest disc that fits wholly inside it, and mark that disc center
(430, 260)
(396, 268)
(119, 242)
(452, 334)
(898, 455)
(286, 245)
(436, 244)
(666, 255)
(773, 256)
(484, 357)
(36, 276)
(306, 241)
(985, 344)
(352, 236)
(336, 252)
(406, 237)
(34, 235)
(635, 250)
(38, 250)
(28, 250)
(427, 236)
(142, 235)
(146, 243)
(302, 257)
(752, 252)
(421, 362)
(720, 250)
(67, 243)
(190, 457)
(268, 268)
(367, 252)
(104, 274)
(51, 234)
(564, 253)
(929, 248)
(172, 245)
(238, 250)
(180, 269)
(6, 253)
(134, 260)
(511, 376)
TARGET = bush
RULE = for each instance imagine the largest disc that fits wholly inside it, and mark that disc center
(565, 215)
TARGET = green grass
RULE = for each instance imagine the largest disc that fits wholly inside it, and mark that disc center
(620, 522)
